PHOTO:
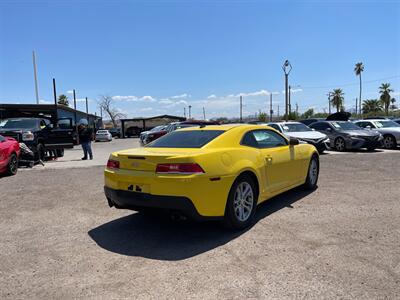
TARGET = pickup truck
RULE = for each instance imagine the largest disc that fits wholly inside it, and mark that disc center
(39, 134)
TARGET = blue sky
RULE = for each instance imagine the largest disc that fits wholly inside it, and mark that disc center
(156, 57)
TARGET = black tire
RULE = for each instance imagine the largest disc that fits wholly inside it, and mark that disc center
(12, 167)
(231, 220)
(389, 142)
(60, 152)
(40, 152)
(371, 149)
(340, 144)
(311, 183)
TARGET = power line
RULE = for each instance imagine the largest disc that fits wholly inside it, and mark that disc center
(348, 84)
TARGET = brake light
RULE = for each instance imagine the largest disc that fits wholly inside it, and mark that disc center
(112, 164)
(179, 169)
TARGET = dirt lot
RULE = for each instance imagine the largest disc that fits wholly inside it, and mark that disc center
(59, 239)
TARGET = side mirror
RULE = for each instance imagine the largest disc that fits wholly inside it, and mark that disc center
(312, 129)
(329, 129)
(368, 127)
(293, 141)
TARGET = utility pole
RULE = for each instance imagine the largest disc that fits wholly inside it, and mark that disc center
(290, 103)
(278, 111)
(55, 100)
(74, 106)
(270, 107)
(204, 113)
(35, 75)
(297, 109)
(241, 109)
(184, 112)
(87, 110)
(190, 111)
(287, 67)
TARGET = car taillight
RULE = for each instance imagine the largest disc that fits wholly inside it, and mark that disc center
(112, 164)
(179, 169)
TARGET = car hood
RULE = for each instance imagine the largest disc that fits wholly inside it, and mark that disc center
(361, 132)
(309, 135)
(17, 130)
(389, 130)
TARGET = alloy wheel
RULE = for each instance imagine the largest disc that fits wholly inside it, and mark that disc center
(339, 144)
(388, 142)
(13, 164)
(313, 172)
(243, 201)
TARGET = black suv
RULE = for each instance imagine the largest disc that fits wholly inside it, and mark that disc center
(39, 134)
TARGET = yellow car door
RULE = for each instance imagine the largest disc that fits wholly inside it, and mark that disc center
(281, 168)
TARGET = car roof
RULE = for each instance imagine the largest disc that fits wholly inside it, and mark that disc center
(225, 127)
(374, 120)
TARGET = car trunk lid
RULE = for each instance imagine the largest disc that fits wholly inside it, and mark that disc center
(147, 159)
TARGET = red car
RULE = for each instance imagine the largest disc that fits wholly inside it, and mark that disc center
(9, 154)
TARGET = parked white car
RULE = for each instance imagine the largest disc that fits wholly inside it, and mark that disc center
(303, 133)
(388, 128)
(103, 135)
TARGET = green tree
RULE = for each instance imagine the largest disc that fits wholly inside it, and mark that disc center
(63, 100)
(308, 113)
(358, 69)
(372, 105)
(262, 116)
(385, 97)
(337, 99)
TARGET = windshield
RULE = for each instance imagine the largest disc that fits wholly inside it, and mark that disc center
(18, 123)
(386, 124)
(157, 128)
(186, 139)
(102, 131)
(295, 127)
(345, 126)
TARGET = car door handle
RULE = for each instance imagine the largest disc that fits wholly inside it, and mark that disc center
(268, 159)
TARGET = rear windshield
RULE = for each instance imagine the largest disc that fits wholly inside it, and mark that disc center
(186, 139)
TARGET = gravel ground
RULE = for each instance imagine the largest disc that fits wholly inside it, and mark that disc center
(59, 240)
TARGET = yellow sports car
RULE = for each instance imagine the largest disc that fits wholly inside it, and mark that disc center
(217, 171)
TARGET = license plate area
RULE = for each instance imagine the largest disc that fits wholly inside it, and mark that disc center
(134, 187)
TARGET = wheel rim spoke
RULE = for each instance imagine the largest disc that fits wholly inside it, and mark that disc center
(243, 201)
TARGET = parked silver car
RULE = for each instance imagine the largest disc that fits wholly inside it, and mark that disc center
(388, 128)
(103, 135)
(303, 133)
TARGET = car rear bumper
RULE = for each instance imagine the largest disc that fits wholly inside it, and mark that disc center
(137, 200)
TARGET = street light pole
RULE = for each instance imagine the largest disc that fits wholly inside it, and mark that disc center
(87, 110)
(190, 111)
(204, 113)
(184, 112)
(287, 67)
(290, 103)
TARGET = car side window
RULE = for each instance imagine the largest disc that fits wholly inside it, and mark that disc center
(263, 139)
(2, 139)
(276, 127)
(320, 126)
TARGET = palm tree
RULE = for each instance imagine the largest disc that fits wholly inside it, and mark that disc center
(337, 99)
(358, 69)
(385, 98)
(63, 99)
(372, 105)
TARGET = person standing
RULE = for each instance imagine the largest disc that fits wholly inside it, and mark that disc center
(85, 138)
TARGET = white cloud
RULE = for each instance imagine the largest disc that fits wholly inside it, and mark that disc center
(43, 101)
(165, 101)
(146, 109)
(254, 94)
(147, 98)
(70, 92)
(293, 91)
(212, 96)
(183, 96)
(124, 98)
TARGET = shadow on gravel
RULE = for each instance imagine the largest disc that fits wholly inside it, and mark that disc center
(164, 239)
